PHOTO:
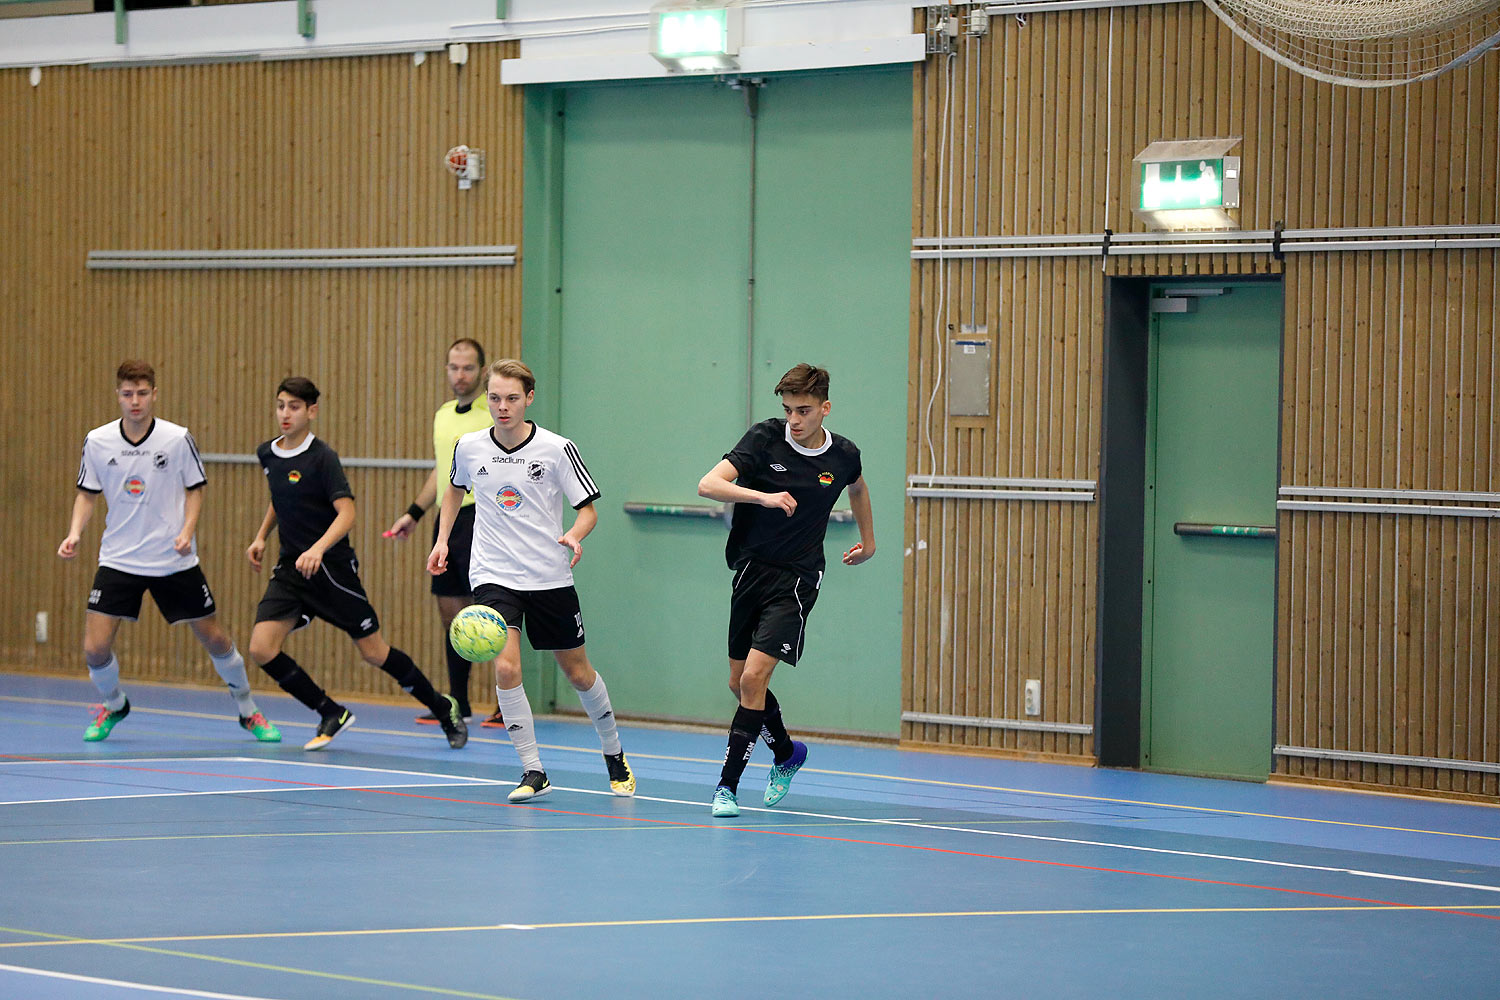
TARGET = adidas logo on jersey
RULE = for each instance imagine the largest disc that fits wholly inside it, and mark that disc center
(482, 471)
(113, 462)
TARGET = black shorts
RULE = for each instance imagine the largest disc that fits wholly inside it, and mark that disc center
(334, 594)
(768, 611)
(552, 618)
(454, 581)
(180, 597)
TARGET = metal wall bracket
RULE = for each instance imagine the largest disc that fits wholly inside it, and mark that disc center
(942, 29)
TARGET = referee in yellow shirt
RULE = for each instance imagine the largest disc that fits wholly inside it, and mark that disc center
(465, 412)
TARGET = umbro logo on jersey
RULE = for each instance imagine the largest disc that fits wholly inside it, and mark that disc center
(367, 623)
(778, 468)
(482, 471)
(113, 462)
(786, 647)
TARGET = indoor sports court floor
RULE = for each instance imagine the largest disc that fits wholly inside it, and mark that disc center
(181, 858)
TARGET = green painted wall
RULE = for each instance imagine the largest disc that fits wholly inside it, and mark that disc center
(647, 355)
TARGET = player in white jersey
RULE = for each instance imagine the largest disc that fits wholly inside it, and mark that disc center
(151, 477)
(521, 561)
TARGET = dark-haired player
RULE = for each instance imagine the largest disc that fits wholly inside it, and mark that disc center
(464, 413)
(521, 563)
(783, 478)
(317, 575)
(151, 477)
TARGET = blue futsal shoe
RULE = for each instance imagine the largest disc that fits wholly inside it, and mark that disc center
(781, 774)
(725, 803)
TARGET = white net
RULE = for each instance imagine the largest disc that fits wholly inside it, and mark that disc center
(1366, 43)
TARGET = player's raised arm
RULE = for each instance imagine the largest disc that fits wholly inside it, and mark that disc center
(311, 559)
(864, 519)
(720, 485)
(83, 509)
(437, 559)
(192, 506)
(585, 522)
(257, 549)
(426, 497)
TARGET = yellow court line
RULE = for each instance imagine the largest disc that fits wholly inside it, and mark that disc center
(936, 783)
(688, 921)
(456, 831)
(132, 946)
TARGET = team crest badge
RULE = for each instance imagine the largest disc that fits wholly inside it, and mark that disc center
(509, 499)
(294, 476)
(159, 460)
(135, 486)
(535, 471)
(826, 478)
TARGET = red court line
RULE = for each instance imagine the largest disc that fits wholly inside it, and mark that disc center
(777, 833)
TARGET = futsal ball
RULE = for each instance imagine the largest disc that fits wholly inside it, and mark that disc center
(477, 633)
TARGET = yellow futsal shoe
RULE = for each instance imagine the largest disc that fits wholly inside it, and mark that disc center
(534, 785)
(621, 777)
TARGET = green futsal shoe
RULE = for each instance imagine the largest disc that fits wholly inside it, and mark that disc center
(260, 727)
(781, 774)
(725, 803)
(104, 721)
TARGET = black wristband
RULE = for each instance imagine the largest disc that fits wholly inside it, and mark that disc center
(414, 512)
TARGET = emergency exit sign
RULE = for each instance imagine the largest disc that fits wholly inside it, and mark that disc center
(686, 33)
(1167, 185)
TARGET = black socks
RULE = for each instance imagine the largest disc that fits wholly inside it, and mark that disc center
(458, 678)
(773, 730)
(291, 679)
(414, 682)
(743, 732)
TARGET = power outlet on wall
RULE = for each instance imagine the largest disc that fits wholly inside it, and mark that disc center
(1033, 697)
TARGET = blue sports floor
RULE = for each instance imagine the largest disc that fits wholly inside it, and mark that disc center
(179, 858)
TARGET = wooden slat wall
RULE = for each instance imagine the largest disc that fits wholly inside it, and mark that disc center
(1387, 625)
(305, 154)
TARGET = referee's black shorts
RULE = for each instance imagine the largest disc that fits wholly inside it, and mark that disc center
(454, 581)
(333, 594)
(768, 610)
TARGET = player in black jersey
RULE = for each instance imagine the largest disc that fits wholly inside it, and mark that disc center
(783, 478)
(317, 574)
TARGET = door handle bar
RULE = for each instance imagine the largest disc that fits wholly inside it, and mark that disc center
(1225, 530)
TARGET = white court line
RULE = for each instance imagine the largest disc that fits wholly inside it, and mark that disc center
(907, 824)
(252, 791)
(1069, 840)
(128, 986)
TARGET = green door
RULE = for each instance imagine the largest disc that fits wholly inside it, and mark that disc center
(658, 374)
(1211, 477)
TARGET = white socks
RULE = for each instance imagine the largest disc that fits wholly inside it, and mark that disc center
(517, 712)
(596, 703)
(107, 679)
(231, 667)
